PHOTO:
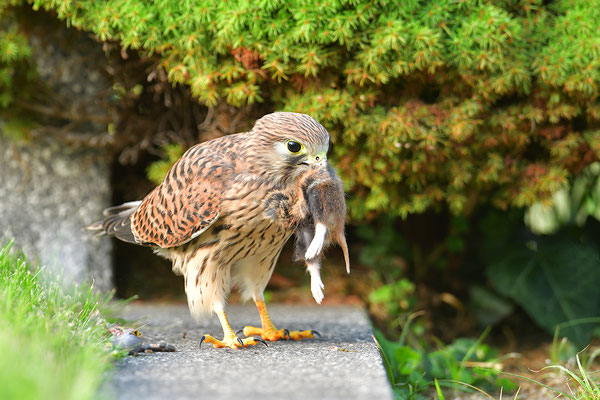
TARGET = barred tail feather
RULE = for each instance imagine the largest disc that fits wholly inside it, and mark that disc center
(117, 222)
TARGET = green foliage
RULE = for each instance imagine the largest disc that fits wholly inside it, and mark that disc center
(14, 54)
(487, 307)
(554, 278)
(581, 381)
(158, 169)
(384, 247)
(413, 372)
(395, 298)
(54, 343)
(429, 104)
(568, 207)
(17, 129)
(386, 251)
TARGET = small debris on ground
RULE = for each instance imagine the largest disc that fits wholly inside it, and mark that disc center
(133, 340)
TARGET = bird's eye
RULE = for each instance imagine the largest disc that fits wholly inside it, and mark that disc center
(294, 147)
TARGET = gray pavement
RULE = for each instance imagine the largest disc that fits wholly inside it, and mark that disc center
(343, 364)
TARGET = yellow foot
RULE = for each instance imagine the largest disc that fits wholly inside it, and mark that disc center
(274, 334)
(233, 342)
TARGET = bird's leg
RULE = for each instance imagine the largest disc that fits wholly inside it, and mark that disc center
(270, 332)
(230, 339)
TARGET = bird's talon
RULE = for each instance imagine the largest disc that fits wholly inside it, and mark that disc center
(230, 341)
(313, 332)
(259, 339)
(273, 334)
(239, 331)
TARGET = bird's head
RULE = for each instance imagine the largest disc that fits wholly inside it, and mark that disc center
(293, 143)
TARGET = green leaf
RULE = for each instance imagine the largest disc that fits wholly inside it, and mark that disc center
(408, 360)
(555, 279)
(487, 306)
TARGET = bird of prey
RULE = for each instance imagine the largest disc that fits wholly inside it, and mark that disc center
(323, 224)
(223, 213)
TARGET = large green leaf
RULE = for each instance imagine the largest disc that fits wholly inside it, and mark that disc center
(555, 279)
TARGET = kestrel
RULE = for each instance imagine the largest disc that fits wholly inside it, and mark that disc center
(224, 211)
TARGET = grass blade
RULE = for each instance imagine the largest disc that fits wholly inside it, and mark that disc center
(386, 362)
(472, 350)
(540, 384)
(407, 325)
(469, 386)
(438, 390)
(517, 393)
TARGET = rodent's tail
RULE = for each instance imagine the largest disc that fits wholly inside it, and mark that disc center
(340, 238)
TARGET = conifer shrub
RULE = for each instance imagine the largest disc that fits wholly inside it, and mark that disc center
(14, 53)
(429, 104)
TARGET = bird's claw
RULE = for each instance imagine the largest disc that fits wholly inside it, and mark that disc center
(232, 342)
(273, 334)
(257, 338)
(261, 340)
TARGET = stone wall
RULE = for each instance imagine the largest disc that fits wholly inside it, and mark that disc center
(48, 194)
(49, 190)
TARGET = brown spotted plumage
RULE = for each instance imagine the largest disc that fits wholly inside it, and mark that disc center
(224, 211)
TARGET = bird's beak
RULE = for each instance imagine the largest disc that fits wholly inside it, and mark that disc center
(317, 160)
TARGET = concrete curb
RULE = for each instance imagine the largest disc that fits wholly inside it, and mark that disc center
(343, 364)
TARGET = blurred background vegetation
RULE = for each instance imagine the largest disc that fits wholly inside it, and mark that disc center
(467, 134)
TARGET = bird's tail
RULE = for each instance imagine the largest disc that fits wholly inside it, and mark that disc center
(116, 222)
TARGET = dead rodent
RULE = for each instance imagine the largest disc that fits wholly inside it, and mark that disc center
(323, 224)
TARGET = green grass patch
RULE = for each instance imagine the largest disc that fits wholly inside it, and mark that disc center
(416, 372)
(469, 365)
(54, 342)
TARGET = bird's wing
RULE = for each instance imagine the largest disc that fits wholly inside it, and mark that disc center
(185, 204)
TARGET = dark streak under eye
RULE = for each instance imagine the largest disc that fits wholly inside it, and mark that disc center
(297, 159)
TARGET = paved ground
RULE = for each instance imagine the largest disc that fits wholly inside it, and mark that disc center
(343, 364)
